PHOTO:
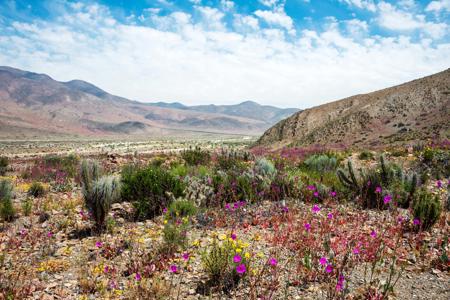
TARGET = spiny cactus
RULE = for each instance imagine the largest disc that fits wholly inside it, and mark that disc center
(90, 172)
(349, 181)
(3, 165)
(7, 210)
(198, 191)
(426, 209)
(265, 168)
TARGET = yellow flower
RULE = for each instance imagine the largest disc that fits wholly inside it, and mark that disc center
(196, 243)
(238, 250)
(222, 236)
(260, 254)
(257, 237)
(165, 221)
(247, 255)
(118, 292)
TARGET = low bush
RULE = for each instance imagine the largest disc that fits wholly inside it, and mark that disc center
(36, 190)
(196, 156)
(365, 155)
(4, 162)
(150, 189)
(181, 209)
(321, 163)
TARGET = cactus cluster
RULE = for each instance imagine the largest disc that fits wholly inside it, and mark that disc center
(321, 162)
(98, 192)
(7, 210)
(198, 191)
(265, 168)
(426, 209)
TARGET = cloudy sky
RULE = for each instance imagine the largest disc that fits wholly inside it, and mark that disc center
(291, 53)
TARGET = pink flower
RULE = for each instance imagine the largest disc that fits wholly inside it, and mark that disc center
(49, 234)
(185, 256)
(138, 277)
(273, 262)
(237, 258)
(416, 221)
(439, 184)
(387, 199)
(23, 232)
(311, 187)
(285, 209)
(98, 244)
(241, 269)
(333, 194)
(373, 234)
(356, 250)
(339, 287)
(106, 269)
(400, 219)
(173, 268)
(316, 194)
(378, 189)
(315, 208)
(233, 236)
(330, 216)
(329, 269)
(323, 261)
(165, 210)
(307, 226)
(227, 206)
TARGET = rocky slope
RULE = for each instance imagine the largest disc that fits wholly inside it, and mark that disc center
(414, 110)
(35, 105)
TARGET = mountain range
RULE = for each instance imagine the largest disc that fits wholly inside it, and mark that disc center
(35, 105)
(416, 110)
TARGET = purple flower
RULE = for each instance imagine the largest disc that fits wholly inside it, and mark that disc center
(241, 269)
(400, 219)
(185, 256)
(49, 234)
(138, 277)
(165, 210)
(307, 226)
(416, 221)
(273, 262)
(439, 184)
(378, 189)
(323, 261)
(233, 236)
(242, 203)
(387, 199)
(333, 194)
(106, 269)
(173, 268)
(23, 232)
(227, 206)
(237, 258)
(329, 269)
(236, 205)
(315, 208)
(316, 194)
(330, 216)
(369, 183)
(311, 187)
(373, 234)
(356, 250)
(98, 244)
(285, 209)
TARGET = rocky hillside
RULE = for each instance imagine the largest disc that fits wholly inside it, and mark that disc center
(414, 110)
(35, 105)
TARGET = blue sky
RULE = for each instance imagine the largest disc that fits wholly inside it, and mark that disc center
(296, 53)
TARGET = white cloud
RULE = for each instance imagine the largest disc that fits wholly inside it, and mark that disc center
(245, 23)
(361, 4)
(392, 18)
(227, 4)
(269, 3)
(438, 6)
(356, 27)
(177, 58)
(278, 18)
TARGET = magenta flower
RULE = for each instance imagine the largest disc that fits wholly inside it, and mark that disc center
(237, 258)
(329, 269)
(356, 250)
(49, 234)
(173, 268)
(106, 269)
(378, 189)
(236, 205)
(185, 256)
(333, 194)
(273, 262)
(285, 209)
(330, 216)
(98, 244)
(439, 184)
(311, 187)
(241, 269)
(387, 199)
(23, 232)
(315, 208)
(400, 219)
(165, 210)
(416, 221)
(323, 261)
(369, 183)
(339, 287)
(316, 194)
(373, 234)
(233, 236)
(138, 277)
(307, 226)
(227, 206)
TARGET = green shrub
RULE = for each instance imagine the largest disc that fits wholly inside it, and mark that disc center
(196, 156)
(217, 260)
(265, 168)
(7, 210)
(105, 191)
(175, 236)
(321, 163)
(181, 209)
(36, 190)
(365, 155)
(179, 171)
(27, 206)
(426, 208)
(4, 162)
(150, 189)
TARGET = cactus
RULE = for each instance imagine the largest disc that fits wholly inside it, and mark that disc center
(90, 172)
(349, 181)
(7, 210)
(427, 209)
(3, 165)
(265, 168)
(103, 193)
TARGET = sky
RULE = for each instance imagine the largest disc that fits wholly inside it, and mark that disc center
(288, 53)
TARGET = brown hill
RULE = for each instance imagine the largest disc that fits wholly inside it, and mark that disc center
(415, 110)
(35, 105)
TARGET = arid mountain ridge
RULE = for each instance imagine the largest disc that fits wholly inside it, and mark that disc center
(416, 110)
(35, 105)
